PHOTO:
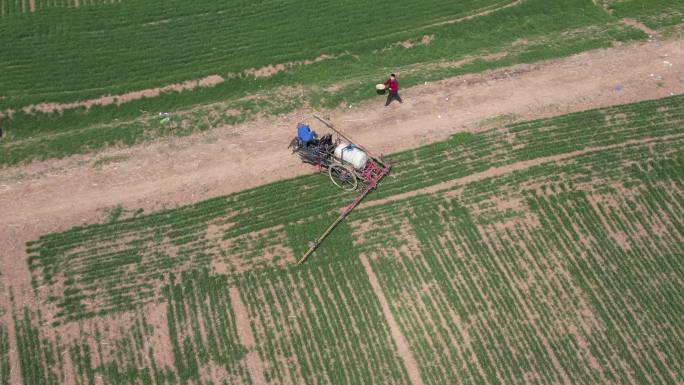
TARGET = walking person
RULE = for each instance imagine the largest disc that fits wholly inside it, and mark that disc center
(393, 86)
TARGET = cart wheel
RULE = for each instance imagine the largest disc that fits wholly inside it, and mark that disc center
(295, 145)
(343, 177)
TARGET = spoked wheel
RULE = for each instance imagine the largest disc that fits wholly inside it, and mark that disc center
(343, 177)
(295, 145)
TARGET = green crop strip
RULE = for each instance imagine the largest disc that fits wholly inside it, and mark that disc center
(38, 357)
(4, 356)
(202, 327)
(137, 45)
(119, 356)
(340, 337)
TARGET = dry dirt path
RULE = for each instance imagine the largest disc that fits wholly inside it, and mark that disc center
(56, 195)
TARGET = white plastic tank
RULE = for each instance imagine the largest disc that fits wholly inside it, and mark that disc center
(352, 155)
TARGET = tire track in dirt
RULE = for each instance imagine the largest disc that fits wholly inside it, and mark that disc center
(403, 348)
(484, 12)
(252, 359)
(513, 167)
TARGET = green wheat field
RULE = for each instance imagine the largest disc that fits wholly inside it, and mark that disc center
(540, 252)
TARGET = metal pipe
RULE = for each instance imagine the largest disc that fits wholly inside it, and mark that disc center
(349, 139)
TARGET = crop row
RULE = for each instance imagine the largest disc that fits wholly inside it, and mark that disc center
(321, 324)
(4, 355)
(123, 355)
(462, 289)
(605, 170)
(124, 271)
(468, 154)
(465, 303)
(628, 167)
(202, 329)
(116, 354)
(214, 38)
(630, 288)
(39, 359)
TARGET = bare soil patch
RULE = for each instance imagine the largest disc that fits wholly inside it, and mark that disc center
(267, 71)
(162, 352)
(639, 25)
(273, 69)
(46, 108)
(425, 40)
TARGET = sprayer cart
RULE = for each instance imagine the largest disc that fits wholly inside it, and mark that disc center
(349, 165)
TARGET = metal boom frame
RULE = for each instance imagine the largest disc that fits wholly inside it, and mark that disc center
(375, 169)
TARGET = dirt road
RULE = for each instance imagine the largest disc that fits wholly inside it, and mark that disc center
(56, 195)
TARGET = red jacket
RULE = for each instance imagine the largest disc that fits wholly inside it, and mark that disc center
(393, 85)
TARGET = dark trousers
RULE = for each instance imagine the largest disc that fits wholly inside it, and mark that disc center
(392, 96)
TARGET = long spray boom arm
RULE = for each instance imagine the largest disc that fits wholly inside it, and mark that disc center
(373, 183)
